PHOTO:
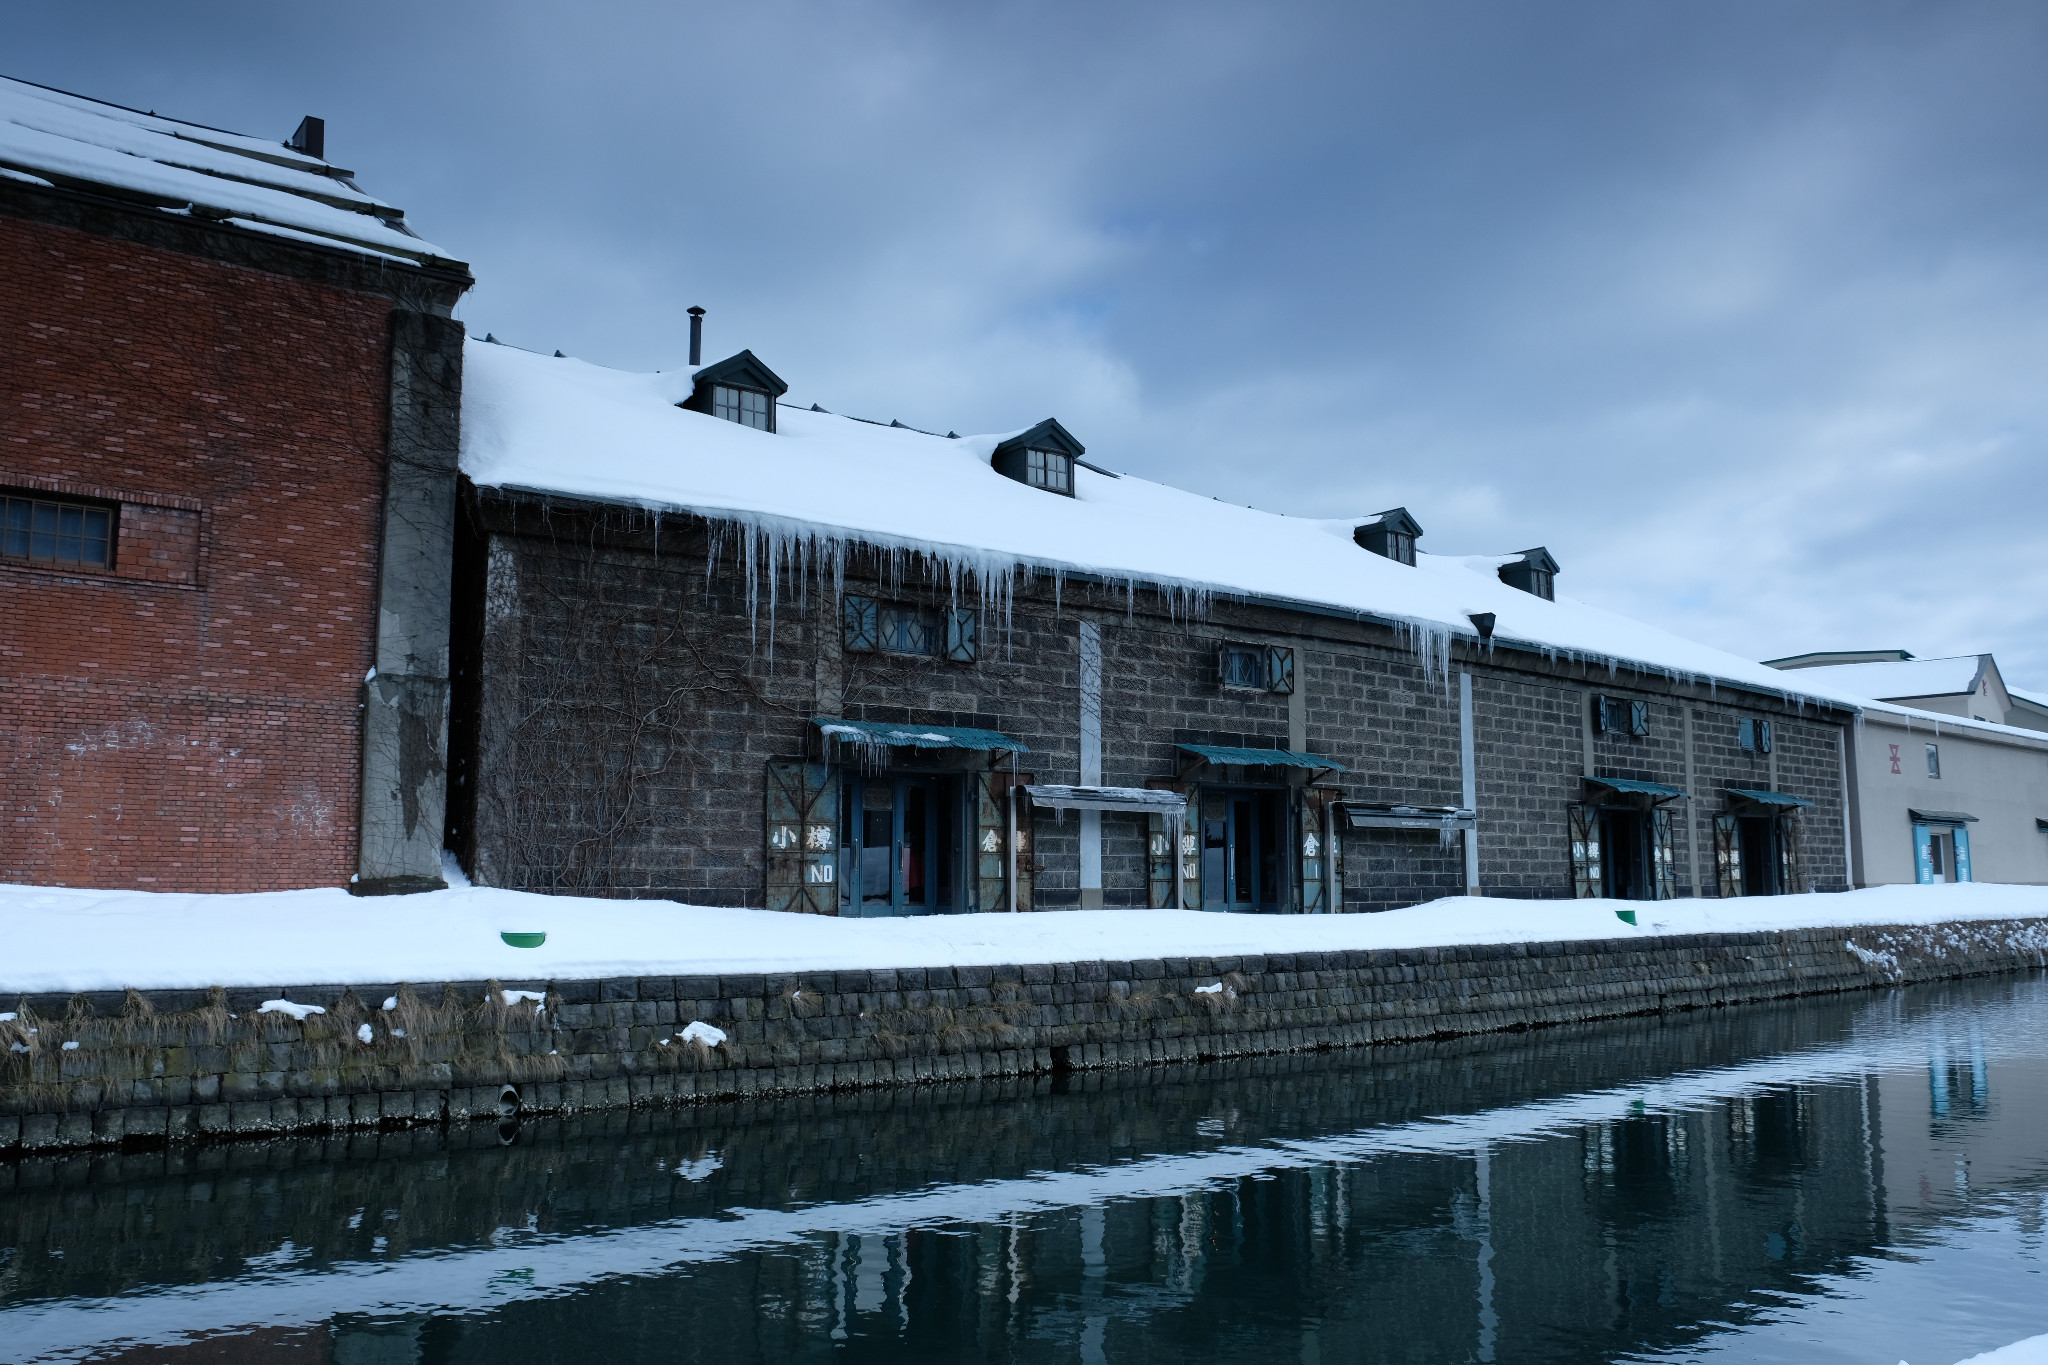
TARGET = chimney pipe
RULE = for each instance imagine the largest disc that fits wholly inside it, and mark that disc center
(311, 138)
(696, 336)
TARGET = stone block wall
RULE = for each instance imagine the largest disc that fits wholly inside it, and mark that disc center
(111, 1068)
(591, 615)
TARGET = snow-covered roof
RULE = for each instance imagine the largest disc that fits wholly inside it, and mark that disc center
(561, 426)
(2027, 694)
(1902, 678)
(53, 138)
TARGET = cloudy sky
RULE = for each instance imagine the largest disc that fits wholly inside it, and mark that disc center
(1740, 308)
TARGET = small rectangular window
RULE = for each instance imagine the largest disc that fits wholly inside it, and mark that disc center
(748, 407)
(963, 635)
(1540, 584)
(1243, 667)
(1763, 735)
(1401, 547)
(1617, 716)
(1934, 760)
(64, 534)
(1048, 469)
(1745, 733)
(908, 630)
(858, 617)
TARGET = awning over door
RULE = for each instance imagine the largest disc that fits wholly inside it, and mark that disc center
(1628, 786)
(1784, 800)
(1941, 817)
(1143, 800)
(1366, 815)
(1252, 758)
(916, 736)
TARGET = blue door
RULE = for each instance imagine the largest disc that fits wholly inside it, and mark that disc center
(1244, 848)
(1923, 855)
(900, 845)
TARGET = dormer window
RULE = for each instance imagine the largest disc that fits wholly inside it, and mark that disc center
(1392, 534)
(1042, 457)
(1050, 470)
(748, 407)
(737, 389)
(1534, 573)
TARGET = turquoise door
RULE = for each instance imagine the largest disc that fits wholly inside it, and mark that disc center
(1923, 854)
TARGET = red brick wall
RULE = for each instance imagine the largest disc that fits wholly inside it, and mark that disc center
(187, 721)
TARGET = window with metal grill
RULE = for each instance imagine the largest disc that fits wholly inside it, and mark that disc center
(745, 406)
(1050, 470)
(63, 534)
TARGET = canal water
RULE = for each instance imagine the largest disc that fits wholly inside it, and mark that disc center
(1857, 1178)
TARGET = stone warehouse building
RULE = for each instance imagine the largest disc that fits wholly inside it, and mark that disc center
(227, 457)
(716, 647)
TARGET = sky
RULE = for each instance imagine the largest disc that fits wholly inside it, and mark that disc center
(1741, 309)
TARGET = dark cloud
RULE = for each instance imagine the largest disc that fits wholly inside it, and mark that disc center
(1737, 307)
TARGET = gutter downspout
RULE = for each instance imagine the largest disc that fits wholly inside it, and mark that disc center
(1010, 845)
(1470, 784)
(1692, 821)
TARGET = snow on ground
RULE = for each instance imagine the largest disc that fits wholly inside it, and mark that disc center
(2032, 1351)
(62, 939)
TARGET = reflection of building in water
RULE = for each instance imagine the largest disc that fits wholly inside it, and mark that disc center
(1970, 1120)
(1580, 1193)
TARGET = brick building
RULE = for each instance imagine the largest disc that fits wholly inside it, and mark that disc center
(227, 445)
(717, 648)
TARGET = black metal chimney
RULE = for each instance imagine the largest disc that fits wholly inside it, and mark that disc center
(311, 138)
(696, 336)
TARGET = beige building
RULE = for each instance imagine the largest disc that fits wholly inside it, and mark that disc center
(1948, 774)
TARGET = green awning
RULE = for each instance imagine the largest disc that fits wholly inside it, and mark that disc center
(1941, 817)
(1252, 758)
(916, 736)
(1768, 798)
(1629, 786)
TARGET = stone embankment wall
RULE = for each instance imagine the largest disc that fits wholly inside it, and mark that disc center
(124, 1068)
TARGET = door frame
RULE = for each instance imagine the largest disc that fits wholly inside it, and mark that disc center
(944, 787)
(1287, 839)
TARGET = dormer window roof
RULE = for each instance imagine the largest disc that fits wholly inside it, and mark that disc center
(737, 389)
(1535, 572)
(1042, 457)
(1393, 533)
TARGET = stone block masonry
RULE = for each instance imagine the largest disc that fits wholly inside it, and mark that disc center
(109, 1069)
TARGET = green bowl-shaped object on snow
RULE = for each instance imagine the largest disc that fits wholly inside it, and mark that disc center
(1625, 916)
(524, 940)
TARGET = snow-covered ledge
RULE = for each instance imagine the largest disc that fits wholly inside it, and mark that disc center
(61, 939)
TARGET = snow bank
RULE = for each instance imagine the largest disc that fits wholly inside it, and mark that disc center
(60, 939)
(557, 425)
(2032, 1351)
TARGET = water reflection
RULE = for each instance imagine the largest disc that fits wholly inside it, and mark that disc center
(1648, 1188)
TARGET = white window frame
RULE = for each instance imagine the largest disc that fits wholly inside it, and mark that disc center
(747, 407)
